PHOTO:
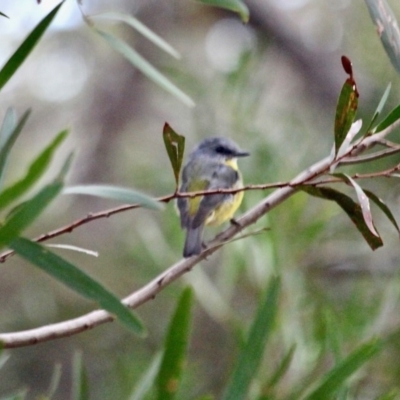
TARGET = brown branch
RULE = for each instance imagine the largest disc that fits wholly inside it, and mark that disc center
(149, 291)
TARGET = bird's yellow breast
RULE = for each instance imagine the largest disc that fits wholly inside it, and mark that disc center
(227, 209)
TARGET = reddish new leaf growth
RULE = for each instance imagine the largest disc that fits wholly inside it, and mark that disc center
(348, 68)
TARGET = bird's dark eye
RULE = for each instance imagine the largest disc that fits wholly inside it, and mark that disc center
(223, 150)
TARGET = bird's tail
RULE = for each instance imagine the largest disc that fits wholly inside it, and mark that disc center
(193, 242)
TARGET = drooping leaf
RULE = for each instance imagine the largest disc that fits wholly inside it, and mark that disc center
(346, 107)
(387, 28)
(80, 381)
(9, 133)
(145, 67)
(237, 6)
(141, 28)
(363, 200)
(384, 208)
(379, 109)
(77, 280)
(334, 379)
(36, 170)
(252, 353)
(175, 145)
(26, 47)
(124, 195)
(350, 207)
(390, 119)
(176, 342)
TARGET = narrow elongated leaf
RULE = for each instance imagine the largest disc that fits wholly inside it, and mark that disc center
(253, 350)
(175, 348)
(9, 138)
(145, 67)
(80, 381)
(354, 129)
(237, 6)
(350, 207)
(282, 368)
(124, 195)
(141, 28)
(146, 382)
(390, 119)
(335, 378)
(175, 145)
(26, 47)
(379, 109)
(387, 28)
(8, 126)
(363, 200)
(27, 213)
(77, 280)
(346, 107)
(4, 15)
(35, 171)
(384, 208)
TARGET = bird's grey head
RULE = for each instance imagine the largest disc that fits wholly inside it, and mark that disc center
(220, 147)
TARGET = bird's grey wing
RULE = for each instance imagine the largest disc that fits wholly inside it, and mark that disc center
(183, 207)
(223, 177)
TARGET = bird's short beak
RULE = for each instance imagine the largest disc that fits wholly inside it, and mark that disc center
(242, 154)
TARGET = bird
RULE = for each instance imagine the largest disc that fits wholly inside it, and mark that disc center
(212, 165)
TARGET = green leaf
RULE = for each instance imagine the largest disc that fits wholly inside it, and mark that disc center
(237, 6)
(379, 109)
(387, 28)
(124, 195)
(394, 394)
(27, 213)
(252, 352)
(363, 200)
(26, 47)
(334, 379)
(80, 381)
(35, 171)
(175, 145)
(8, 126)
(141, 28)
(390, 119)
(345, 112)
(384, 208)
(175, 348)
(351, 208)
(75, 279)
(146, 382)
(145, 67)
(282, 368)
(9, 133)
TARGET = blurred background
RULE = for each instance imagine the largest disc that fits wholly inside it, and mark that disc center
(272, 86)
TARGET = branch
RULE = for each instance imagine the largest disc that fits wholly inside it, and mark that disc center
(149, 291)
